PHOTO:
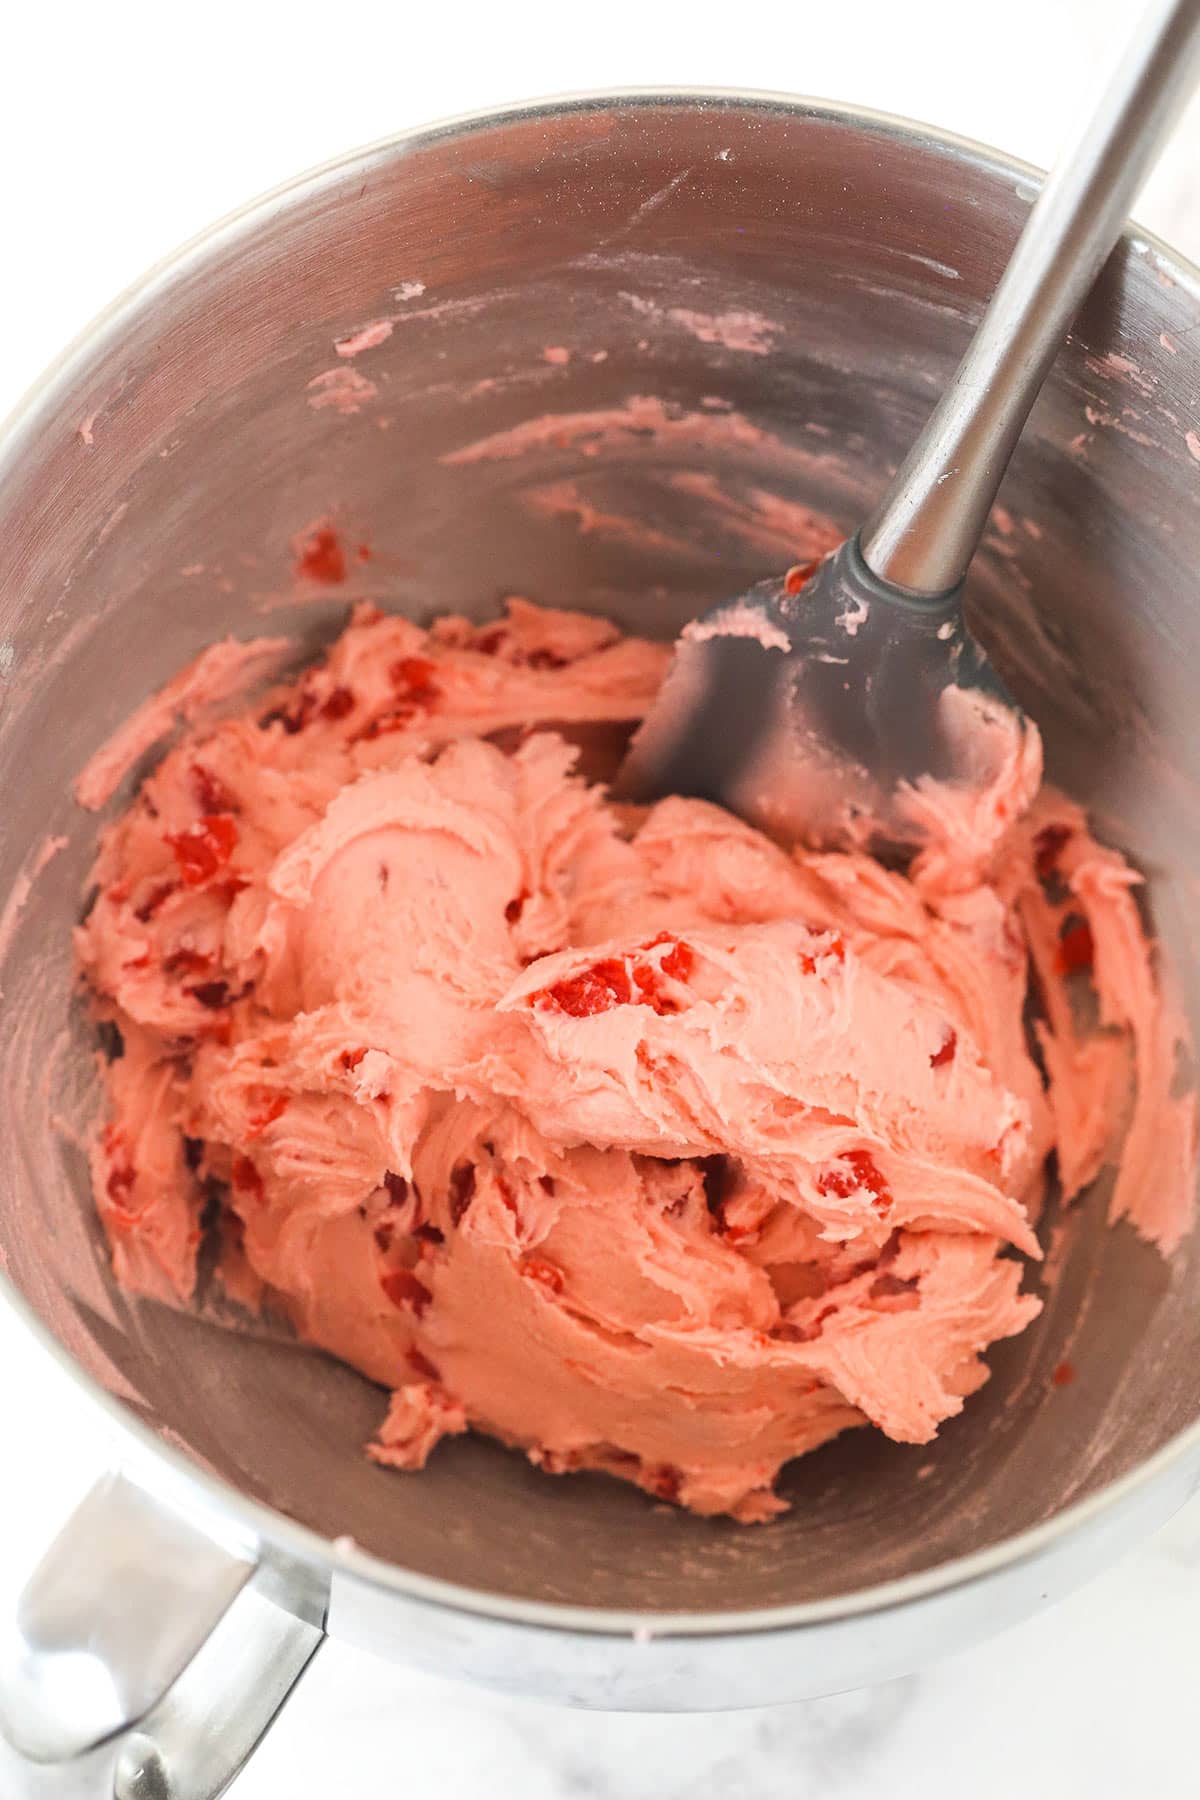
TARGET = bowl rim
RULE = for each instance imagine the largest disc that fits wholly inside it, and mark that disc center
(225, 1508)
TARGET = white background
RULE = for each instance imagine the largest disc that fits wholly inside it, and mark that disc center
(125, 128)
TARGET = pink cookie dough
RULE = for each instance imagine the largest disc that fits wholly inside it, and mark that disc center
(624, 1137)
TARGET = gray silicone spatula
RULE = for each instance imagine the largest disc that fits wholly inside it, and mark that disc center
(800, 709)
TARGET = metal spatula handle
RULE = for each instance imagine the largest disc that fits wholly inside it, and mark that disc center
(924, 532)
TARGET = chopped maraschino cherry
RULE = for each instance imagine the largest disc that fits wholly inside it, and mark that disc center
(320, 557)
(621, 981)
(403, 1289)
(856, 1171)
(204, 849)
(797, 575)
(1076, 947)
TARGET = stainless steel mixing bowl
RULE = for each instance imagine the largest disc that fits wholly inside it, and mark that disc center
(149, 490)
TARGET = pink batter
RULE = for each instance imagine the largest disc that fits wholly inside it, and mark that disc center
(626, 1138)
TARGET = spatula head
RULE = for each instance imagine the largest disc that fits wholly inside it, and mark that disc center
(816, 705)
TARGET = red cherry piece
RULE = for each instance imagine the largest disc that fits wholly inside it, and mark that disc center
(836, 947)
(679, 960)
(621, 981)
(403, 1289)
(414, 677)
(204, 849)
(945, 1052)
(594, 990)
(797, 575)
(856, 1171)
(121, 1175)
(536, 1268)
(274, 1109)
(1064, 1374)
(664, 1482)
(1076, 947)
(246, 1178)
(490, 641)
(339, 704)
(320, 557)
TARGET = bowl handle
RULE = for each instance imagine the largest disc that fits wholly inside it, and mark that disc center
(143, 1660)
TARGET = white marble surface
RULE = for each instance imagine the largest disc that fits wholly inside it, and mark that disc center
(126, 127)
